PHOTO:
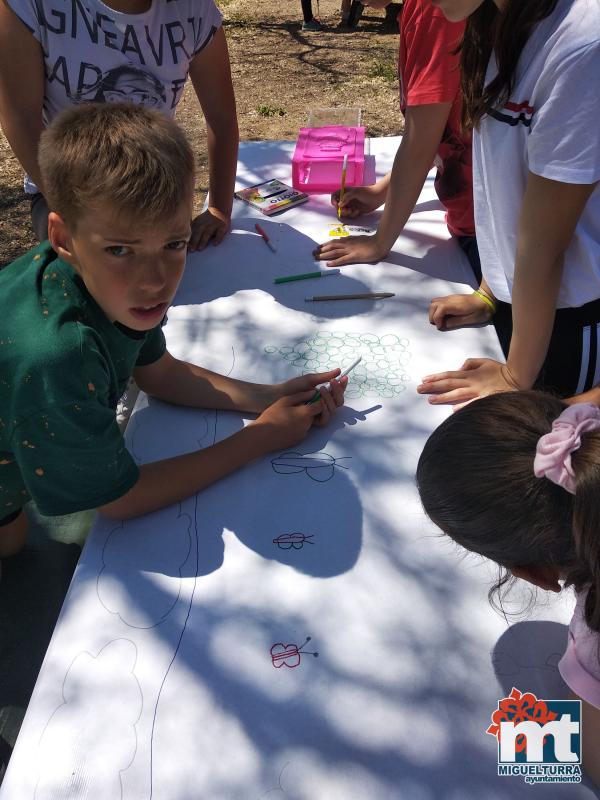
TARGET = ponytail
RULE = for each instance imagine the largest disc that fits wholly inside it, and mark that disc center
(476, 481)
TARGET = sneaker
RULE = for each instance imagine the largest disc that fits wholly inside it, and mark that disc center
(313, 25)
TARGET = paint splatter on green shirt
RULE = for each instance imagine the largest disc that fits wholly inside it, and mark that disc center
(63, 366)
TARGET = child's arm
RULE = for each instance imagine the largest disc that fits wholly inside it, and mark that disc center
(424, 127)
(458, 310)
(547, 222)
(21, 90)
(591, 396)
(548, 218)
(210, 73)
(283, 424)
(185, 384)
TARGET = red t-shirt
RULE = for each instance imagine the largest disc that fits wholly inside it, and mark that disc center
(430, 73)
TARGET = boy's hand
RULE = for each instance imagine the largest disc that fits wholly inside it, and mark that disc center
(334, 396)
(210, 226)
(350, 250)
(358, 200)
(287, 421)
(458, 310)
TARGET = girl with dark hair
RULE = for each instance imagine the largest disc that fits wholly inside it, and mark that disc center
(531, 82)
(515, 477)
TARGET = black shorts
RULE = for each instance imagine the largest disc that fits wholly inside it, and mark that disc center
(10, 517)
(468, 244)
(572, 363)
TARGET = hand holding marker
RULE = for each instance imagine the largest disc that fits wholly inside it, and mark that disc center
(343, 374)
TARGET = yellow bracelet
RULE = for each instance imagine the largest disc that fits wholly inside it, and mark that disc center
(487, 300)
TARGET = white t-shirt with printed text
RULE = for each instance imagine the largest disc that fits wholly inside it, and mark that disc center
(549, 126)
(93, 53)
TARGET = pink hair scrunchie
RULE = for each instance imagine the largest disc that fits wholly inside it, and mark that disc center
(553, 451)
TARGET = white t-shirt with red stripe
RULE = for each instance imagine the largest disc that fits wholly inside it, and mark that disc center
(549, 127)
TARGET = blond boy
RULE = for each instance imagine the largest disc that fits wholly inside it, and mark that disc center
(81, 313)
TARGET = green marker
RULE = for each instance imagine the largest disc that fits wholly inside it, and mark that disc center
(305, 275)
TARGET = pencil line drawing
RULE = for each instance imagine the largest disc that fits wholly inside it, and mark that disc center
(296, 541)
(289, 655)
(122, 540)
(279, 787)
(189, 609)
(318, 467)
(506, 664)
(381, 372)
(181, 635)
(70, 755)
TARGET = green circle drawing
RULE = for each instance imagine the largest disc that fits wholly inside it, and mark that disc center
(380, 372)
(389, 339)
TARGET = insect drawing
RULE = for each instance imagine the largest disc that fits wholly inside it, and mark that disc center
(319, 467)
(289, 655)
(287, 541)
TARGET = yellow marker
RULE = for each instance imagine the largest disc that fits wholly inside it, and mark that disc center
(343, 186)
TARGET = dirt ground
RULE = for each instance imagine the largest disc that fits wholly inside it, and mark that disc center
(279, 73)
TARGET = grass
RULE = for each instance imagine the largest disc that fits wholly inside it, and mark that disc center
(384, 69)
(271, 111)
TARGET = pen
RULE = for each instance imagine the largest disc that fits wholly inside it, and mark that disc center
(263, 233)
(343, 374)
(343, 186)
(365, 296)
(304, 275)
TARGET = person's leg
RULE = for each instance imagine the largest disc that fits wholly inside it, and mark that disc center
(13, 533)
(345, 11)
(356, 9)
(310, 23)
(572, 365)
(307, 10)
(39, 216)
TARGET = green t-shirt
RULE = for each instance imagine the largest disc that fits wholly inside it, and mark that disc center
(63, 367)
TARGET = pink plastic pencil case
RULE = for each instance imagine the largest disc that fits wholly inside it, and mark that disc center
(319, 154)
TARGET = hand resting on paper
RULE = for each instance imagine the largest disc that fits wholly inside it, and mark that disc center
(457, 311)
(476, 378)
(351, 250)
(209, 227)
